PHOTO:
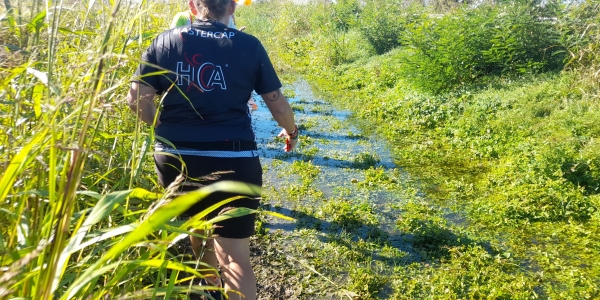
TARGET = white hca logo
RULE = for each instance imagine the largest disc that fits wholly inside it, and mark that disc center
(207, 76)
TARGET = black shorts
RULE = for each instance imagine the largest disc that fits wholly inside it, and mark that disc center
(246, 170)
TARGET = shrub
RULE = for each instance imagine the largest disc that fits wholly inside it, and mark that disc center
(446, 52)
(580, 34)
(523, 40)
(379, 24)
(462, 47)
(346, 14)
(332, 48)
(292, 21)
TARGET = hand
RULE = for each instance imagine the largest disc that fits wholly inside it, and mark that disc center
(242, 28)
(290, 143)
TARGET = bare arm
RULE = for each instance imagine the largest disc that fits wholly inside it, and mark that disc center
(141, 101)
(284, 115)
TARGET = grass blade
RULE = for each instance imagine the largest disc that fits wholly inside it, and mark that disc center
(19, 163)
(155, 221)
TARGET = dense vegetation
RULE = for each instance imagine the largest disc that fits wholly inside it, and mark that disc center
(494, 107)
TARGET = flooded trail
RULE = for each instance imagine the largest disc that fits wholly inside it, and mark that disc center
(345, 194)
(338, 151)
(364, 229)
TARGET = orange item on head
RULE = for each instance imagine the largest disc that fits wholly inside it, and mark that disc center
(245, 2)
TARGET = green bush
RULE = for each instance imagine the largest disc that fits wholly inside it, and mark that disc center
(461, 48)
(523, 39)
(446, 52)
(581, 34)
(346, 14)
(332, 49)
(380, 24)
(306, 37)
(292, 21)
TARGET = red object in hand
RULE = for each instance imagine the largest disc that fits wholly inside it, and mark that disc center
(288, 146)
(291, 138)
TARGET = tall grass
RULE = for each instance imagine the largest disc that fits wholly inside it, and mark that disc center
(82, 216)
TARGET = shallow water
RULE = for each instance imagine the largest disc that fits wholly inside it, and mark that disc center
(330, 142)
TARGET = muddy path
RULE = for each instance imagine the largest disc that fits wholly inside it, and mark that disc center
(345, 194)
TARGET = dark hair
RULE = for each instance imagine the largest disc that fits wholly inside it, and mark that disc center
(211, 9)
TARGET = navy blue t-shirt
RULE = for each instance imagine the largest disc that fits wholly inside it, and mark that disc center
(205, 73)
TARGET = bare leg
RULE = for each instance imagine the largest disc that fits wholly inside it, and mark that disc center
(206, 253)
(234, 259)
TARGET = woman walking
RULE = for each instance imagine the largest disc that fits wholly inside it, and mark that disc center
(204, 73)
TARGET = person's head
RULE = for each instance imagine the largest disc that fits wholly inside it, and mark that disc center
(212, 9)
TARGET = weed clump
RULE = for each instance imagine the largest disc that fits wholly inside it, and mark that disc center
(428, 231)
(365, 160)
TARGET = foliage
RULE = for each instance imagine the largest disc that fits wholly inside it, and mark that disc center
(347, 215)
(378, 178)
(367, 283)
(513, 151)
(511, 155)
(470, 272)
(346, 14)
(470, 107)
(581, 33)
(75, 222)
(379, 24)
(430, 233)
(365, 160)
(461, 48)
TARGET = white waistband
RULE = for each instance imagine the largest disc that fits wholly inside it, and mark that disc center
(209, 153)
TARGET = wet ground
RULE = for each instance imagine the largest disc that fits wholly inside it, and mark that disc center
(336, 147)
(340, 185)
